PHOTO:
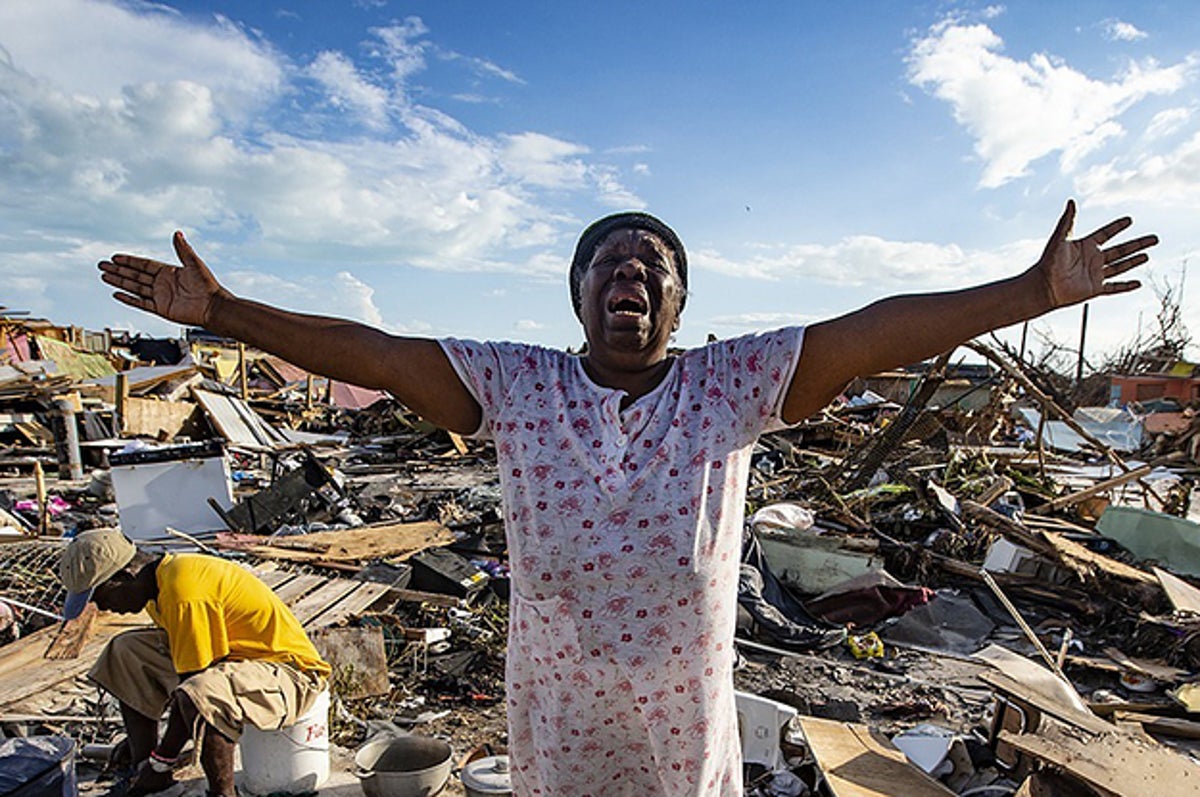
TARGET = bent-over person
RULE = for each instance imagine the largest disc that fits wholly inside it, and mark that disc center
(225, 651)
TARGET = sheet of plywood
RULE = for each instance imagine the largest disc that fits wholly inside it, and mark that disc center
(1115, 763)
(391, 541)
(25, 671)
(858, 762)
(358, 659)
(73, 634)
(156, 418)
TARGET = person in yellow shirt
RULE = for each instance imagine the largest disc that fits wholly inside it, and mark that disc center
(225, 651)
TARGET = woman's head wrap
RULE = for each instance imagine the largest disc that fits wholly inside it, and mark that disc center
(599, 230)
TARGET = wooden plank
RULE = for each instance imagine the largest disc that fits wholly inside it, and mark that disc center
(354, 604)
(295, 589)
(307, 608)
(1096, 489)
(237, 423)
(390, 541)
(358, 659)
(274, 578)
(26, 673)
(859, 762)
(1115, 763)
(1154, 669)
(1164, 726)
(155, 418)
(73, 634)
(1183, 596)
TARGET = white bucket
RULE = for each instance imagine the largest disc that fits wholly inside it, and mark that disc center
(291, 760)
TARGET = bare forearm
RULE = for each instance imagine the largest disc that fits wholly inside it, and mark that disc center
(343, 350)
(909, 328)
(902, 330)
(414, 370)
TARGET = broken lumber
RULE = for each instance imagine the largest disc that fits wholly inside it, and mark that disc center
(390, 541)
(1095, 489)
(859, 762)
(1115, 763)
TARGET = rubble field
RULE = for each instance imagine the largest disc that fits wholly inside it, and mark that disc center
(957, 579)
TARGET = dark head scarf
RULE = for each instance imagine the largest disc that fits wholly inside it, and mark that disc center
(599, 230)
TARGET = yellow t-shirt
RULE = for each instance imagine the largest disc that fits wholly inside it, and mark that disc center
(212, 609)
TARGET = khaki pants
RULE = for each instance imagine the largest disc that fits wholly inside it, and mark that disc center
(135, 667)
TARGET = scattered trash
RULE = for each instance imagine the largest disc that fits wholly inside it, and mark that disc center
(1012, 570)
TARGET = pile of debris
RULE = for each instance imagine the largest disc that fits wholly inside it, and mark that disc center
(1016, 583)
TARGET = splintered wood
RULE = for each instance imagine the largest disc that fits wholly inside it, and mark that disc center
(393, 541)
(73, 634)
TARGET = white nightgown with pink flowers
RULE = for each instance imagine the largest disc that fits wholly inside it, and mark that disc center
(624, 536)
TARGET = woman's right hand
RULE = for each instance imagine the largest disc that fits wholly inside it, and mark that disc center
(186, 294)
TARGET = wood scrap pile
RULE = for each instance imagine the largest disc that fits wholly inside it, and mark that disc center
(1055, 553)
(950, 510)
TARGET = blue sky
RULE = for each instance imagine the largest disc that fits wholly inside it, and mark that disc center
(427, 166)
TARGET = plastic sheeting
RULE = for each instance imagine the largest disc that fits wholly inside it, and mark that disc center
(1117, 429)
(38, 766)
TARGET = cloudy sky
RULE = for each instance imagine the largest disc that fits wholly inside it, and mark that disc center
(426, 166)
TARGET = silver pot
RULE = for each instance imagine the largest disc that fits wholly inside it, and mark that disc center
(487, 777)
(403, 766)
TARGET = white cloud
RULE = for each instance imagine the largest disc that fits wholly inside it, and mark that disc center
(88, 141)
(527, 325)
(1116, 30)
(612, 192)
(629, 149)
(1021, 111)
(866, 260)
(358, 297)
(1171, 179)
(401, 46)
(346, 296)
(752, 321)
(1166, 123)
(482, 66)
(544, 161)
(349, 90)
(106, 47)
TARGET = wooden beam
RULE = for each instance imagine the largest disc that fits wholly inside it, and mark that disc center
(1095, 489)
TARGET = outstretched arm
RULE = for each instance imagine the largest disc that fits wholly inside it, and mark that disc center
(906, 329)
(414, 370)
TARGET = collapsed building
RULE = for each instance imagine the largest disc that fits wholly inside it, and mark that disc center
(1018, 580)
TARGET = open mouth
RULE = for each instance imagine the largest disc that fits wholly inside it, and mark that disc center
(628, 305)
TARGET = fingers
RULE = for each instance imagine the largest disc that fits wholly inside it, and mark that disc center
(134, 301)
(1062, 230)
(133, 280)
(1129, 247)
(183, 249)
(1121, 266)
(1120, 287)
(1111, 229)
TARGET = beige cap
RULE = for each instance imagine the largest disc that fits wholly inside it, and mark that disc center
(92, 558)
